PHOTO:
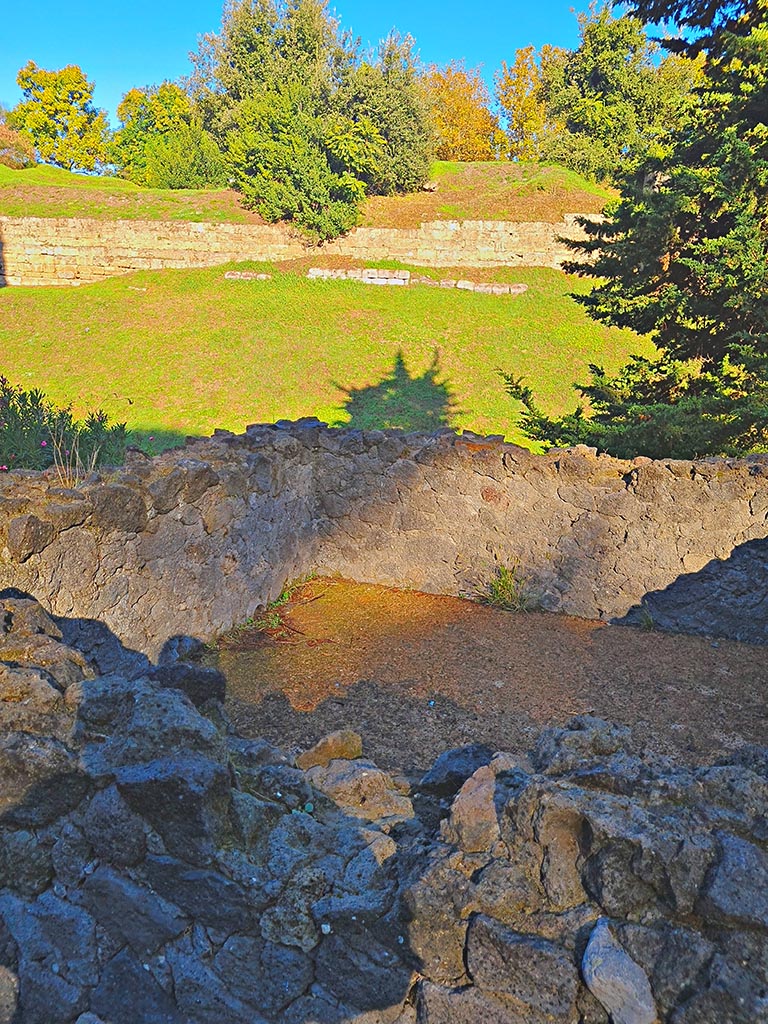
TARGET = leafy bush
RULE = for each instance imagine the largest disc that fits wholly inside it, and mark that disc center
(35, 434)
(186, 157)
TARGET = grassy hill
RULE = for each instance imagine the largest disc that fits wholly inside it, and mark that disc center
(184, 352)
(491, 191)
(474, 191)
(52, 192)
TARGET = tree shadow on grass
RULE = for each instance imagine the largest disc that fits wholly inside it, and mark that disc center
(402, 400)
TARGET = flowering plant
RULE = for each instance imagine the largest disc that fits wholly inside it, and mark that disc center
(33, 430)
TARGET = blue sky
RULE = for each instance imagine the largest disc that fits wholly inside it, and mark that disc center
(121, 45)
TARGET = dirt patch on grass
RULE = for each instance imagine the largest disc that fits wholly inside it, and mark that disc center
(417, 674)
(490, 191)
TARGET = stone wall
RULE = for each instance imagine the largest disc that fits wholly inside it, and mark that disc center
(37, 250)
(195, 541)
(157, 867)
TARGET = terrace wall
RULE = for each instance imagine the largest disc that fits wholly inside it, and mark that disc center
(66, 251)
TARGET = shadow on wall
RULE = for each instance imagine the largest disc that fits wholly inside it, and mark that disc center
(401, 400)
(727, 598)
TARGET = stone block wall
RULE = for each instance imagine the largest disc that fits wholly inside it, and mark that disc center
(35, 250)
(193, 542)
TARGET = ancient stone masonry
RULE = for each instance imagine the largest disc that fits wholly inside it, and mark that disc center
(37, 250)
(193, 542)
(156, 867)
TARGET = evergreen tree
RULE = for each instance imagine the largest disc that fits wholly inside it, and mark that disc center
(683, 257)
(307, 124)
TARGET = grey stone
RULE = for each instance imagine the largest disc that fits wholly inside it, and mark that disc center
(537, 976)
(207, 897)
(29, 686)
(362, 973)
(362, 789)
(675, 960)
(277, 783)
(185, 798)
(263, 974)
(71, 854)
(40, 780)
(614, 978)
(473, 822)
(202, 995)
(198, 683)
(161, 723)
(738, 889)
(434, 908)
(25, 863)
(26, 617)
(131, 912)
(27, 535)
(116, 507)
(438, 1005)
(57, 955)
(126, 994)
(452, 769)
(9, 995)
(585, 739)
(113, 830)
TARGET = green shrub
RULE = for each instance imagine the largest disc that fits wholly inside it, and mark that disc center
(35, 434)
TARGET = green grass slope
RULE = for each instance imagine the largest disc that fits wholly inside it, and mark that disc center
(184, 352)
(465, 191)
(53, 192)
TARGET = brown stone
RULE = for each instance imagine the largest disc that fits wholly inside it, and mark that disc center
(343, 745)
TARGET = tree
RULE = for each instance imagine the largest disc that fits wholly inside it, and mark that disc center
(520, 96)
(58, 116)
(611, 98)
(16, 151)
(683, 257)
(161, 144)
(281, 166)
(307, 124)
(685, 250)
(385, 88)
(459, 101)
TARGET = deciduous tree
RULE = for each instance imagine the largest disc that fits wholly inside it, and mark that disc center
(611, 97)
(521, 99)
(460, 105)
(16, 150)
(160, 142)
(58, 115)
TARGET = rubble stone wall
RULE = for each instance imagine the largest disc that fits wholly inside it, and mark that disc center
(156, 866)
(193, 542)
(57, 250)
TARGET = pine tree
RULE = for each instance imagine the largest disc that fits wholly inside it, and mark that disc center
(683, 257)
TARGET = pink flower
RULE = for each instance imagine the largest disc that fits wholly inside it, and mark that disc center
(3, 469)
(43, 444)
